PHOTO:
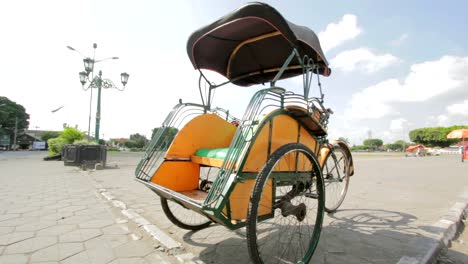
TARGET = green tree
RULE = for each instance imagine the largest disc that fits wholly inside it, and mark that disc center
(136, 141)
(56, 145)
(392, 146)
(11, 115)
(398, 145)
(360, 148)
(129, 144)
(71, 134)
(49, 134)
(373, 143)
(167, 136)
(434, 136)
(402, 143)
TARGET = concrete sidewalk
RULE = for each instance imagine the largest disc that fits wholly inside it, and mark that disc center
(391, 214)
(50, 213)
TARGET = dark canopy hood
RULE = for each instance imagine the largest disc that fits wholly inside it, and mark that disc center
(254, 40)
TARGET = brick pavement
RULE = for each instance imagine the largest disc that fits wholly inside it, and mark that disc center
(54, 214)
(50, 213)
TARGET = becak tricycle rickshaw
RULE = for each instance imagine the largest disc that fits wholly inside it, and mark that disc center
(270, 170)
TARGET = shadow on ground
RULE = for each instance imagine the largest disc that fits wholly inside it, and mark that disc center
(348, 236)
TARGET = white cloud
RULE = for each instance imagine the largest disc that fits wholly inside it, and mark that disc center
(362, 59)
(372, 102)
(397, 124)
(400, 40)
(439, 120)
(458, 109)
(337, 33)
(341, 127)
(425, 81)
(455, 114)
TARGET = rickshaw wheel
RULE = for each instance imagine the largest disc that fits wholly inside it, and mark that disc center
(288, 233)
(183, 217)
(336, 178)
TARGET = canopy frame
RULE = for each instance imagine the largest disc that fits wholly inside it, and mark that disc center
(307, 64)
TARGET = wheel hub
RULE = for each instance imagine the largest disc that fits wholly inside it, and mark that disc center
(300, 210)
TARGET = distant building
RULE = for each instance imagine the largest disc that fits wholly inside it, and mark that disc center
(38, 133)
(26, 138)
(117, 143)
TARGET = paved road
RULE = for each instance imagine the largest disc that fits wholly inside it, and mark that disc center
(389, 213)
(50, 213)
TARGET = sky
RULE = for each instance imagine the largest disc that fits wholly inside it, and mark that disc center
(396, 65)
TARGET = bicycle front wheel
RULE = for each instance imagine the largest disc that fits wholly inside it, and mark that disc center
(286, 207)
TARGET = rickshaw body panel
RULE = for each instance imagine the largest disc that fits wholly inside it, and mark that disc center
(177, 172)
(240, 196)
(278, 130)
(177, 175)
(204, 131)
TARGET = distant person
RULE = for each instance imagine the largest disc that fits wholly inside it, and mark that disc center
(464, 153)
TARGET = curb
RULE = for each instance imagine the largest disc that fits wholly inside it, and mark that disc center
(449, 224)
(444, 231)
(171, 246)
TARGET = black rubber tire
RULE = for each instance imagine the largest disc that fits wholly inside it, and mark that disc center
(179, 222)
(339, 165)
(316, 181)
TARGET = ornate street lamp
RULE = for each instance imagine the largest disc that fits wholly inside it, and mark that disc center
(83, 76)
(97, 82)
(124, 78)
(88, 65)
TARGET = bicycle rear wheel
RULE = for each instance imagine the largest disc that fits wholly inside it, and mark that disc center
(183, 217)
(336, 178)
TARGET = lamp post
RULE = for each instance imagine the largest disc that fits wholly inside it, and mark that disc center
(99, 83)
